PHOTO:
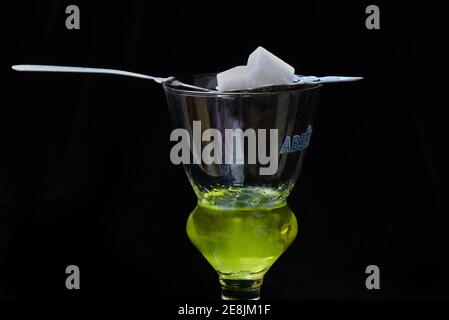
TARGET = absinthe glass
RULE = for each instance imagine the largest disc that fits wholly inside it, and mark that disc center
(242, 223)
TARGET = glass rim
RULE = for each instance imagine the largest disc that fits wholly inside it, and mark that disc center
(189, 92)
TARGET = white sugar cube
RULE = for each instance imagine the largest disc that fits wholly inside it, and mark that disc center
(233, 79)
(264, 68)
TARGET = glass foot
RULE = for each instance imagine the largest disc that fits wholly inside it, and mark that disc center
(240, 289)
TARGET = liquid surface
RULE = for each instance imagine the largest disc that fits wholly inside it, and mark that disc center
(242, 198)
(242, 243)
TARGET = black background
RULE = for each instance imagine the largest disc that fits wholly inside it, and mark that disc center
(85, 174)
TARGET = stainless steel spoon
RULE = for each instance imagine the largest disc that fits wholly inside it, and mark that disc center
(47, 68)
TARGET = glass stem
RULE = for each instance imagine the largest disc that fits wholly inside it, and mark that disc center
(232, 289)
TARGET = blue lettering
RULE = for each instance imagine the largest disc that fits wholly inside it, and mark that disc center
(286, 146)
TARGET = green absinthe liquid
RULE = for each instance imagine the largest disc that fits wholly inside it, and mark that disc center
(241, 242)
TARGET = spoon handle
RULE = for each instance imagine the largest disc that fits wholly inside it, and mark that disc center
(47, 68)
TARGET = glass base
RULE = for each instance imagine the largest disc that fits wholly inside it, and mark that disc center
(240, 289)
